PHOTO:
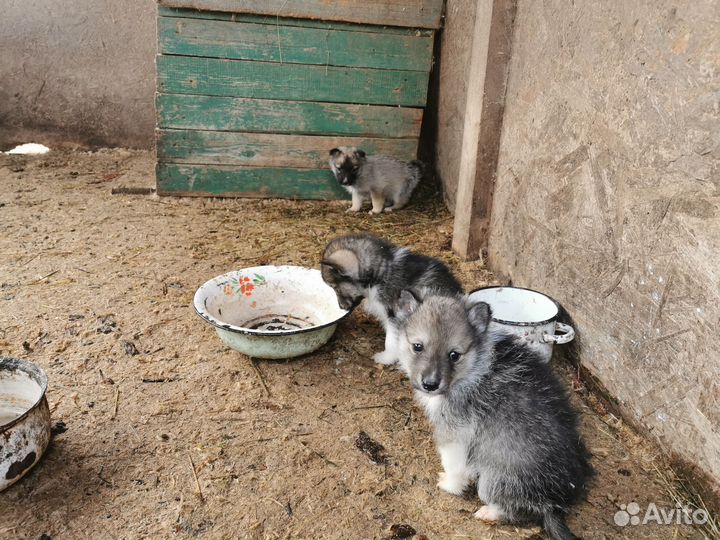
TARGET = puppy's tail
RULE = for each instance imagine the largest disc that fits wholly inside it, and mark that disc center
(555, 526)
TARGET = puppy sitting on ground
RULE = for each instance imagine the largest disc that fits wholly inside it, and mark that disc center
(362, 266)
(501, 418)
(387, 181)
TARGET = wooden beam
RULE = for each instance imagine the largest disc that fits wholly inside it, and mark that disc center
(485, 103)
(273, 80)
(412, 13)
(285, 21)
(184, 111)
(268, 149)
(293, 44)
(251, 182)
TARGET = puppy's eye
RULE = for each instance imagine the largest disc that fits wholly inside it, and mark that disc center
(418, 347)
(454, 356)
(356, 169)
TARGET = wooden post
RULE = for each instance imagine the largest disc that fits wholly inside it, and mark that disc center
(484, 106)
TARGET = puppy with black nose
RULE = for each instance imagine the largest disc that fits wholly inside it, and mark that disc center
(387, 181)
(363, 267)
(501, 418)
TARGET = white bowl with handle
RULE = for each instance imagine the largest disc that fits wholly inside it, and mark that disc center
(530, 315)
(270, 311)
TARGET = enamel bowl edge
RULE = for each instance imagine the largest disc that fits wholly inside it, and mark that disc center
(270, 311)
(24, 418)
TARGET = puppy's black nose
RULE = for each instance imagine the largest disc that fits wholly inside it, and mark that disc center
(430, 385)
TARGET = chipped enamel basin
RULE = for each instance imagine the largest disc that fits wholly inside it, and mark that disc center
(24, 418)
(530, 315)
(270, 311)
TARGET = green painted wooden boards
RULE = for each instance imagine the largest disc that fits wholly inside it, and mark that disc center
(273, 80)
(276, 116)
(294, 44)
(412, 13)
(267, 149)
(250, 103)
(254, 182)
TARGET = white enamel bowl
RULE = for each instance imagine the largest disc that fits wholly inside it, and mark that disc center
(270, 311)
(530, 315)
(24, 418)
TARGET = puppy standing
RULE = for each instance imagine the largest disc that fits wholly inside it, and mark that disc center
(362, 266)
(389, 182)
(501, 419)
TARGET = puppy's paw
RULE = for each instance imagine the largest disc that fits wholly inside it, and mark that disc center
(389, 209)
(352, 210)
(489, 513)
(385, 358)
(454, 485)
(374, 213)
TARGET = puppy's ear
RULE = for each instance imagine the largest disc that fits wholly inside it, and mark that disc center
(344, 262)
(360, 153)
(406, 304)
(331, 265)
(335, 151)
(479, 316)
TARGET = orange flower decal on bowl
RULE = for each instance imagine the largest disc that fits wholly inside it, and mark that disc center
(243, 285)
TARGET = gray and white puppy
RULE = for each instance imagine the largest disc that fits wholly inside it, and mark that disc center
(501, 418)
(363, 267)
(387, 181)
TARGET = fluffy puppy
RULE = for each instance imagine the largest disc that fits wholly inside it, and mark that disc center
(501, 418)
(363, 267)
(387, 181)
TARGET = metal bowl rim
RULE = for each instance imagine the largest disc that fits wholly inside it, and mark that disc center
(36, 373)
(521, 323)
(264, 333)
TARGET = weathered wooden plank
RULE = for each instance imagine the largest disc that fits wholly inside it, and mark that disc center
(224, 181)
(267, 150)
(293, 44)
(412, 13)
(487, 79)
(284, 21)
(273, 116)
(267, 80)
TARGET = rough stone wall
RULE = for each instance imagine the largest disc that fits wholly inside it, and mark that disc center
(448, 96)
(81, 70)
(608, 199)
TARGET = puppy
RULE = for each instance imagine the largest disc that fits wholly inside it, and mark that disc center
(387, 181)
(501, 418)
(363, 267)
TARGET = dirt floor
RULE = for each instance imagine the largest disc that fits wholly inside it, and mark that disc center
(183, 439)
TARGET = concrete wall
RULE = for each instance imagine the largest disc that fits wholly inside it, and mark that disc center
(77, 69)
(608, 198)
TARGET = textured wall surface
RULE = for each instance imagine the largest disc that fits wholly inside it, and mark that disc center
(608, 198)
(78, 69)
(450, 91)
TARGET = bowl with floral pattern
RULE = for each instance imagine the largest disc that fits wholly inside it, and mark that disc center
(270, 311)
